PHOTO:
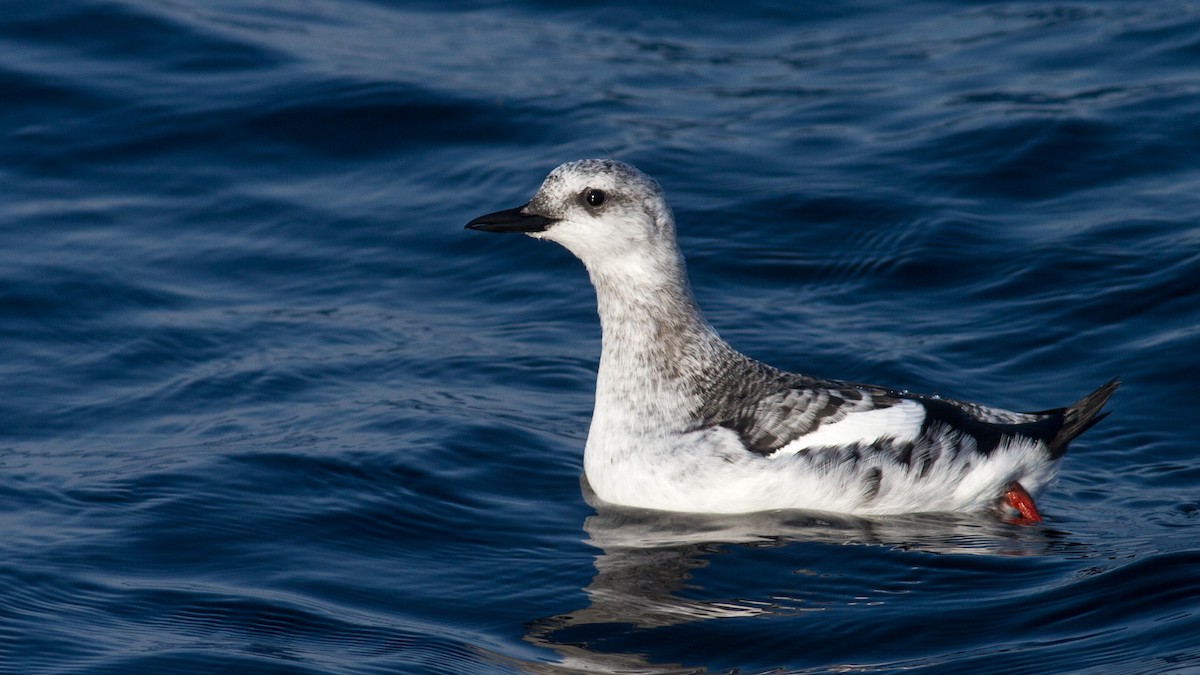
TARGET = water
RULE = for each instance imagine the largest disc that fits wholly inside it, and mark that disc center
(265, 406)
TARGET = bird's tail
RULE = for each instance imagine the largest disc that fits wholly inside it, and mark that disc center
(1081, 416)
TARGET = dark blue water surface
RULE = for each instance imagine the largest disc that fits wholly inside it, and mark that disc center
(265, 407)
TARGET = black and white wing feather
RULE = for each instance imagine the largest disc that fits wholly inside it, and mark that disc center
(771, 410)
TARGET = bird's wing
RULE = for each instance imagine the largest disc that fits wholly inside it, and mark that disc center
(774, 411)
(804, 412)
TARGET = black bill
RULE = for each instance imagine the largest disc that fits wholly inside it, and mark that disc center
(512, 220)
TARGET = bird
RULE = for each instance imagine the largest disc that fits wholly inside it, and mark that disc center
(684, 422)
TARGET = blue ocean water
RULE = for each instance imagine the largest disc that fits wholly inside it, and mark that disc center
(265, 407)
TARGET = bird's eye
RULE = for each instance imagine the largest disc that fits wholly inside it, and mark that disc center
(593, 197)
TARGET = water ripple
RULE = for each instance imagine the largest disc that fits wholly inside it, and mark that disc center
(268, 408)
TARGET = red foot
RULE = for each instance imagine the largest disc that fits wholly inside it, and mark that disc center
(1019, 499)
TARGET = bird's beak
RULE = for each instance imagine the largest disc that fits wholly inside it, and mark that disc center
(512, 220)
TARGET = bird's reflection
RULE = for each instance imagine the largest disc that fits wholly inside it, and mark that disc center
(647, 557)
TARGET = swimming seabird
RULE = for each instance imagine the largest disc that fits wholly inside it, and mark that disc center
(683, 422)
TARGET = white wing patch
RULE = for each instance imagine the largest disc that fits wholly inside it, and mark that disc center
(901, 422)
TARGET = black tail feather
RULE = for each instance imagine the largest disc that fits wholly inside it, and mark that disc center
(1081, 416)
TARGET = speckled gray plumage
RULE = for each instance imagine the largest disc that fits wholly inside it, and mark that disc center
(683, 421)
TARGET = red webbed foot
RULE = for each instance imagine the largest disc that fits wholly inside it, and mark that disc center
(1016, 497)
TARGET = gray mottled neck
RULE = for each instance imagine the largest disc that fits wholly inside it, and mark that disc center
(658, 350)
